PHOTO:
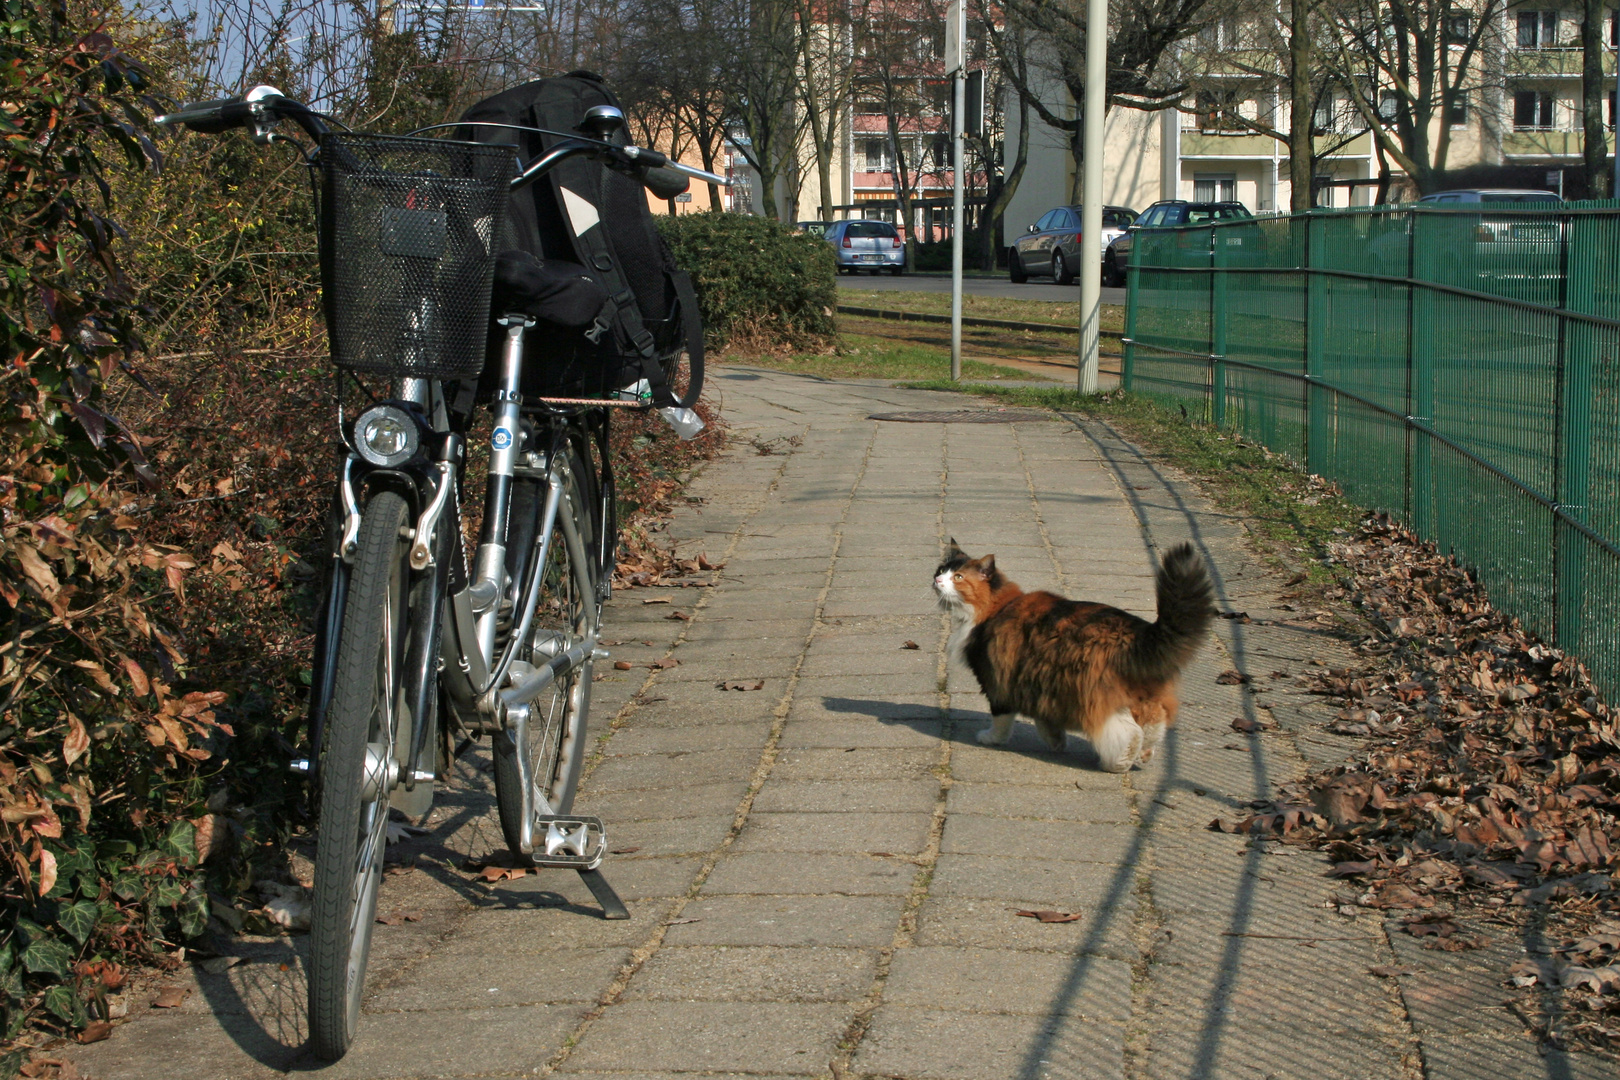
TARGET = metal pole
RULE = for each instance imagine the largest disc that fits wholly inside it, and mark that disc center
(957, 122)
(1091, 192)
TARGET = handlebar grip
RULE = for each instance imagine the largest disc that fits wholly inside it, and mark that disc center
(664, 183)
(211, 117)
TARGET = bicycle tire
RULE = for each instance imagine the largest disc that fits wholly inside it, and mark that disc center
(565, 612)
(352, 828)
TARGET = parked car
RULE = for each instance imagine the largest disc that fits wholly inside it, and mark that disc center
(814, 228)
(1463, 247)
(1169, 213)
(1054, 245)
(867, 245)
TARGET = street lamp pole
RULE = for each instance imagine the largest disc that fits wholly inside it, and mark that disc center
(956, 50)
(1091, 179)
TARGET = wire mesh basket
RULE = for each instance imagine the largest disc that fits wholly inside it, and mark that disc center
(407, 251)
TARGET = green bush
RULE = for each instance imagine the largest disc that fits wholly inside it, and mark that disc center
(937, 256)
(760, 285)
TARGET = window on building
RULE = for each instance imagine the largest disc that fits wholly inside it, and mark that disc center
(1214, 187)
(1459, 27)
(1389, 105)
(876, 153)
(1532, 110)
(942, 153)
(1610, 113)
(1614, 29)
(1218, 111)
(1322, 119)
(1457, 109)
(1538, 29)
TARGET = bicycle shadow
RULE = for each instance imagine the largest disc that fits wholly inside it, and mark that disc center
(260, 1003)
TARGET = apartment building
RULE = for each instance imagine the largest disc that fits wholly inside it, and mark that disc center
(1518, 120)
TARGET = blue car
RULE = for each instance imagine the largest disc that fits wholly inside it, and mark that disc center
(867, 245)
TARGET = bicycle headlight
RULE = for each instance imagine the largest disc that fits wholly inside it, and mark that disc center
(387, 436)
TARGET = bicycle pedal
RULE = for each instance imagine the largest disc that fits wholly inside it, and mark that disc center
(575, 843)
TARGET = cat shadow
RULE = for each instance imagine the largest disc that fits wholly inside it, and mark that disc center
(964, 729)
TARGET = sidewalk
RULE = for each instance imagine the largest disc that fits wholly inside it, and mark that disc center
(823, 873)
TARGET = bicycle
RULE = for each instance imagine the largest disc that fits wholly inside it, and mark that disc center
(505, 647)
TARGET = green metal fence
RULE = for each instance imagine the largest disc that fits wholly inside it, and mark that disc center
(1457, 367)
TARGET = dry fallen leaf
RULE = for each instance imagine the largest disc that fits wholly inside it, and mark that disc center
(624, 850)
(911, 645)
(683, 616)
(622, 665)
(732, 684)
(1047, 915)
(657, 600)
(1248, 726)
(1232, 677)
(94, 1031)
(663, 664)
(169, 997)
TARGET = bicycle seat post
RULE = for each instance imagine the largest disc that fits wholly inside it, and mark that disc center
(489, 578)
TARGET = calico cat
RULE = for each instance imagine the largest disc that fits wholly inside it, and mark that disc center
(1075, 666)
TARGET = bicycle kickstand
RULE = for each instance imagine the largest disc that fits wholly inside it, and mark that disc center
(612, 906)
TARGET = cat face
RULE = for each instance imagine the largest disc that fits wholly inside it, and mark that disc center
(961, 582)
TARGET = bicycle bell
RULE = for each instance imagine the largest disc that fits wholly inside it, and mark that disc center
(602, 121)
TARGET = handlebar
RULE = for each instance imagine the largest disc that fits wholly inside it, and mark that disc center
(264, 106)
(260, 108)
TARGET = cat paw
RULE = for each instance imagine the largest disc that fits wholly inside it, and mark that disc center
(987, 737)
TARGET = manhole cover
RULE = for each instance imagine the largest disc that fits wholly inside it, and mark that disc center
(966, 416)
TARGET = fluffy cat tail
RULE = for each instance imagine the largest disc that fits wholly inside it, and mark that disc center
(1186, 601)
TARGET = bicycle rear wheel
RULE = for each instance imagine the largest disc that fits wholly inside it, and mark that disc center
(553, 745)
(357, 761)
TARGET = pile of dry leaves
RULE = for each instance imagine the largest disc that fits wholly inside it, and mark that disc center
(1491, 781)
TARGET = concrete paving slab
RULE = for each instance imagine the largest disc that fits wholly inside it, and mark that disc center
(838, 921)
(931, 1044)
(755, 973)
(899, 834)
(771, 873)
(700, 1036)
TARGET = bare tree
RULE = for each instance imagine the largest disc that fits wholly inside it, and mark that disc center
(1595, 87)
(761, 40)
(1406, 65)
(1142, 71)
(898, 48)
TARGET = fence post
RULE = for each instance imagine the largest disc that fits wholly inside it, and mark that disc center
(1133, 276)
(1217, 330)
(1316, 310)
(1419, 385)
(1578, 346)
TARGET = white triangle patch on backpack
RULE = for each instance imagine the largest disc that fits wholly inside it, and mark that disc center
(582, 214)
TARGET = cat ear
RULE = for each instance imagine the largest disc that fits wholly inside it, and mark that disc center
(988, 565)
(953, 552)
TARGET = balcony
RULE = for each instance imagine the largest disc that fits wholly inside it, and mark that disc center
(1215, 144)
(1541, 144)
(1550, 63)
(1226, 144)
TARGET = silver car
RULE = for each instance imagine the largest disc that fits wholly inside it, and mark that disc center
(867, 245)
(1054, 245)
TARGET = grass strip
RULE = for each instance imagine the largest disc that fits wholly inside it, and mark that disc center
(1063, 313)
(863, 357)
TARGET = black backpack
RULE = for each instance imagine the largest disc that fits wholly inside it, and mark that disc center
(582, 255)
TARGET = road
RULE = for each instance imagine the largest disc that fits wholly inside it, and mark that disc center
(976, 286)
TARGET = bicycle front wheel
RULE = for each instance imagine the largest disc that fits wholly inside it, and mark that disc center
(356, 767)
(551, 749)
